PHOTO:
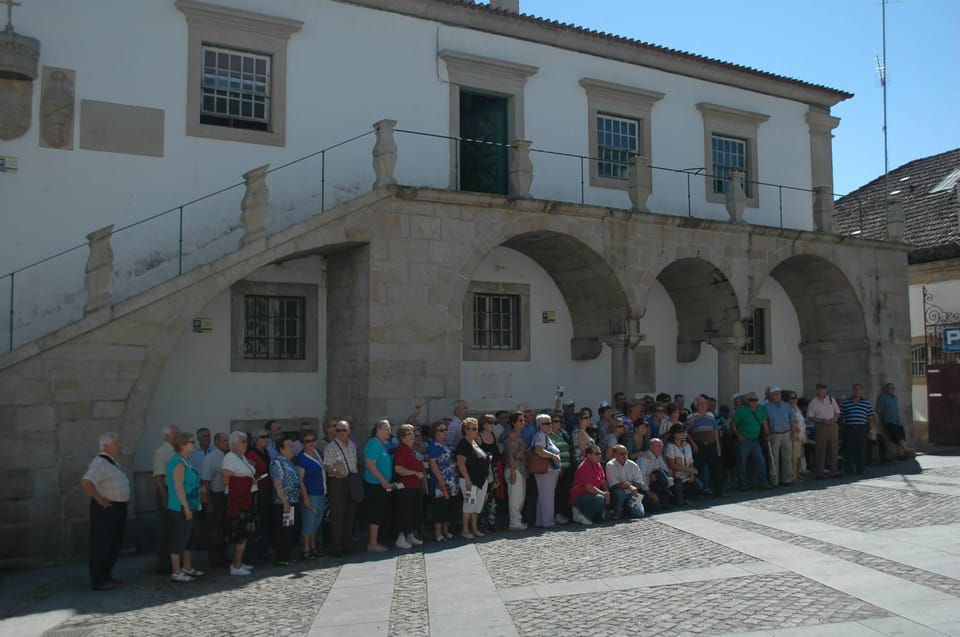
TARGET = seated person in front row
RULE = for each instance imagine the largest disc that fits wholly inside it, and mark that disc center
(655, 471)
(629, 492)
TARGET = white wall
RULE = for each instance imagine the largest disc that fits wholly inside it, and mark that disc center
(786, 368)
(347, 68)
(197, 388)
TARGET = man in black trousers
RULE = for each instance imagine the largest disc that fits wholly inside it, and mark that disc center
(109, 491)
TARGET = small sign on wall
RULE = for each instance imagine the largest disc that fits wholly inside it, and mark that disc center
(549, 316)
(8, 164)
(202, 324)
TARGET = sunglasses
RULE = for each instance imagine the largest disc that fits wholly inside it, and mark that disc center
(343, 431)
(753, 400)
(309, 440)
(556, 422)
(441, 430)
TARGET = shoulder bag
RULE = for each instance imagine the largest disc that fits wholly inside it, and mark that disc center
(355, 480)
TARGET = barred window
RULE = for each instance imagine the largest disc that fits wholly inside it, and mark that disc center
(235, 89)
(617, 142)
(755, 333)
(918, 360)
(274, 327)
(496, 321)
(729, 154)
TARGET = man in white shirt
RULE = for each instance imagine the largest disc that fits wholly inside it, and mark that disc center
(455, 428)
(214, 522)
(658, 475)
(109, 491)
(203, 448)
(824, 412)
(160, 459)
(628, 487)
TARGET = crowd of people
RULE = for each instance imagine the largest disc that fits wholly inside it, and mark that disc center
(251, 498)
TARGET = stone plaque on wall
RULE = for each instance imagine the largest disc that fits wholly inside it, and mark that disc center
(57, 90)
(121, 128)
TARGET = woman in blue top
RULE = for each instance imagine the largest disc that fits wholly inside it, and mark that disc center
(286, 495)
(377, 482)
(444, 490)
(313, 488)
(183, 502)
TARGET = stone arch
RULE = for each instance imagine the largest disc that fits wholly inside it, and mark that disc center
(706, 304)
(833, 329)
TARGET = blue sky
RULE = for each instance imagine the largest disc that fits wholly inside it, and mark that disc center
(830, 42)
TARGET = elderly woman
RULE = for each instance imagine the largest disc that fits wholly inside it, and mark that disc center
(544, 447)
(488, 442)
(378, 484)
(679, 457)
(474, 466)
(410, 471)
(561, 496)
(313, 491)
(443, 485)
(240, 487)
(259, 457)
(183, 505)
(515, 452)
(589, 495)
(286, 495)
(340, 461)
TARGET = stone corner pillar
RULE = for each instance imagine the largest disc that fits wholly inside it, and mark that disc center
(736, 199)
(255, 205)
(384, 154)
(641, 183)
(895, 218)
(99, 270)
(823, 209)
(521, 168)
(728, 362)
(622, 360)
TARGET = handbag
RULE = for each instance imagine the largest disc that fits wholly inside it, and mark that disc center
(537, 463)
(355, 480)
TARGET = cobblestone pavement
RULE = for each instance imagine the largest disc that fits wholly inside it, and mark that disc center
(698, 608)
(408, 611)
(865, 508)
(918, 576)
(573, 552)
(952, 472)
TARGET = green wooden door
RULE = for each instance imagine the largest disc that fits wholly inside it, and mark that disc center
(483, 152)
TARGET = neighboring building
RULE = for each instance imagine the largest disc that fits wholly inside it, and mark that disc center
(927, 192)
(618, 267)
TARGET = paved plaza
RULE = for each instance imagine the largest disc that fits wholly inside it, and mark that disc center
(875, 556)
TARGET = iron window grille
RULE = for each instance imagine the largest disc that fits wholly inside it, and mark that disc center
(235, 89)
(918, 360)
(617, 142)
(754, 331)
(728, 154)
(274, 327)
(496, 321)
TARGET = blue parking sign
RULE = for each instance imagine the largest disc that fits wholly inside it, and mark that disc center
(951, 339)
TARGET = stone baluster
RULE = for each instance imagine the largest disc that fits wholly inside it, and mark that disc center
(895, 218)
(641, 183)
(521, 169)
(99, 270)
(255, 205)
(736, 196)
(384, 154)
(822, 209)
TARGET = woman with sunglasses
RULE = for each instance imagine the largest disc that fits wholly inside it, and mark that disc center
(488, 442)
(473, 464)
(444, 490)
(515, 451)
(313, 491)
(590, 495)
(259, 457)
(409, 470)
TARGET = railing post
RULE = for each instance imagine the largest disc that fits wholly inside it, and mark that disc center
(521, 169)
(99, 270)
(641, 183)
(255, 205)
(736, 199)
(384, 154)
(12, 275)
(323, 180)
(689, 202)
(582, 200)
(780, 192)
(180, 245)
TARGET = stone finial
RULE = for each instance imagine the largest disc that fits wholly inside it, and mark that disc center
(99, 270)
(19, 55)
(255, 205)
(736, 196)
(895, 218)
(19, 58)
(822, 209)
(641, 183)
(512, 6)
(384, 154)
(521, 168)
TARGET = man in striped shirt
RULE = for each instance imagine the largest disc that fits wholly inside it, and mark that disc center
(858, 416)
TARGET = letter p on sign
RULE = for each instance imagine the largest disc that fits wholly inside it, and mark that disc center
(951, 339)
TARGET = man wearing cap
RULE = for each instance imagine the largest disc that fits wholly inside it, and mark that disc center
(780, 418)
(823, 412)
(748, 422)
(858, 416)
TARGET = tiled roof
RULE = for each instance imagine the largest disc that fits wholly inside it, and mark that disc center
(932, 221)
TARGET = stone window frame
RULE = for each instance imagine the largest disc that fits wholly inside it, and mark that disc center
(311, 294)
(725, 121)
(489, 76)
(522, 354)
(243, 31)
(766, 358)
(618, 100)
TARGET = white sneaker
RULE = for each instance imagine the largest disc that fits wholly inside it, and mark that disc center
(520, 527)
(580, 518)
(560, 519)
(414, 540)
(402, 543)
(249, 567)
(238, 571)
(180, 577)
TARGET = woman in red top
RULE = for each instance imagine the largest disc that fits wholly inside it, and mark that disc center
(257, 456)
(410, 471)
(589, 494)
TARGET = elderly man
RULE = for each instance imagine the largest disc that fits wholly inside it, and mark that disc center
(634, 417)
(109, 491)
(275, 429)
(204, 447)
(888, 412)
(823, 412)
(656, 473)
(781, 419)
(161, 457)
(629, 491)
(748, 422)
(858, 416)
(214, 524)
(455, 428)
(705, 434)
